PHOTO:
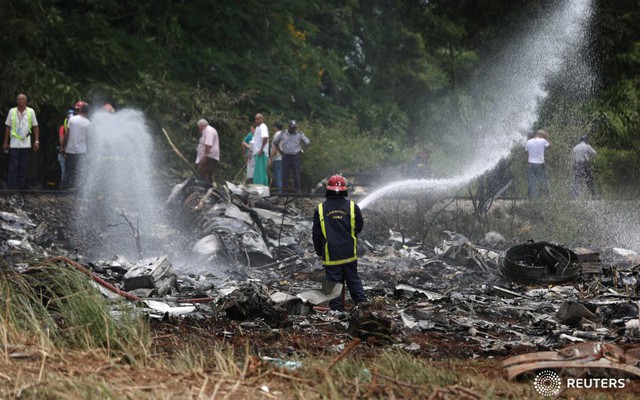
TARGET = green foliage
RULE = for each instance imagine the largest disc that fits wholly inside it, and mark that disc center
(620, 114)
(382, 69)
(56, 305)
(330, 152)
(23, 317)
(380, 119)
(617, 171)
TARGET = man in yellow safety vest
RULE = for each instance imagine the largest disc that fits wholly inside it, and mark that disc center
(20, 124)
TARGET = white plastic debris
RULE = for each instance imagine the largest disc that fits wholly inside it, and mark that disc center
(632, 323)
(407, 320)
(624, 252)
(208, 245)
(494, 239)
(260, 190)
(166, 308)
(282, 363)
(330, 290)
(410, 289)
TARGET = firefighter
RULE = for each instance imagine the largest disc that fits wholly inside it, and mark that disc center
(336, 224)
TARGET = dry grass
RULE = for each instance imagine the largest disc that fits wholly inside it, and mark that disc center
(59, 340)
(78, 375)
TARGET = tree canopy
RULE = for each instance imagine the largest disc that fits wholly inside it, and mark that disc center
(364, 75)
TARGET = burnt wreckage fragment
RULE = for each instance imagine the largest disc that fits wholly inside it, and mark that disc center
(539, 262)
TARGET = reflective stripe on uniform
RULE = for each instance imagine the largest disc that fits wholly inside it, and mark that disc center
(352, 210)
(14, 122)
(324, 233)
(327, 260)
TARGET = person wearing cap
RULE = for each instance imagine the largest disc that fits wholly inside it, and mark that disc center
(536, 171)
(74, 144)
(20, 124)
(61, 159)
(208, 152)
(290, 144)
(582, 154)
(275, 158)
(336, 224)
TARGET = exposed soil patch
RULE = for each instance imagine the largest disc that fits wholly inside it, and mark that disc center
(453, 311)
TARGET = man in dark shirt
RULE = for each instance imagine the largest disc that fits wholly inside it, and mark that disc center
(289, 144)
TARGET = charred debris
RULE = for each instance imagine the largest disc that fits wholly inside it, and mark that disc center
(234, 254)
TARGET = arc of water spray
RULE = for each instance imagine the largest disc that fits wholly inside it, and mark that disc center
(516, 86)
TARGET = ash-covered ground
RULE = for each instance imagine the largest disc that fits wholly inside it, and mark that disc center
(239, 262)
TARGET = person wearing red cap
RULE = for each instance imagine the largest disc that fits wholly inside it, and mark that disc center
(336, 224)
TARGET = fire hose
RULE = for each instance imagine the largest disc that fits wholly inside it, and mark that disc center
(96, 278)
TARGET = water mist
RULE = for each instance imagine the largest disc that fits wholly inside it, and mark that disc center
(513, 86)
(116, 188)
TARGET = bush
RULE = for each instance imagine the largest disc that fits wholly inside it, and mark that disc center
(341, 148)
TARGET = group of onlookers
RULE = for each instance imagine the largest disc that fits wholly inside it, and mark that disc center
(22, 136)
(582, 155)
(281, 156)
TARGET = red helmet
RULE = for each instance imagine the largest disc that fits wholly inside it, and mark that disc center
(337, 183)
(80, 104)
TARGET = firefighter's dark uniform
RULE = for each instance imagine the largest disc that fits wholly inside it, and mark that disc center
(336, 224)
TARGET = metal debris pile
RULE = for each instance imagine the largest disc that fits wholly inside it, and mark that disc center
(249, 259)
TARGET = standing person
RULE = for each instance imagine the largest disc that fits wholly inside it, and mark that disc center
(247, 143)
(259, 149)
(75, 144)
(21, 122)
(336, 224)
(537, 173)
(275, 158)
(61, 159)
(290, 144)
(419, 166)
(582, 155)
(208, 152)
(107, 107)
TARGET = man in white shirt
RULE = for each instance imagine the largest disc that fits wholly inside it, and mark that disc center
(260, 151)
(208, 154)
(21, 122)
(582, 155)
(537, 173)
(74, 144)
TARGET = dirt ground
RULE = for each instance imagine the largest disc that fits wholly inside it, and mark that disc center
(29, 372)
(74, 375)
